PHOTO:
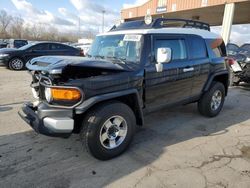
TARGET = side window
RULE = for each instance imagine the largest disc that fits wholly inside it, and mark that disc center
(177, 46)
(57, 47)
(197, 48)
(40, 47)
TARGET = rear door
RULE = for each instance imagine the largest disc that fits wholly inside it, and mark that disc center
(174, 83)
(200, 63)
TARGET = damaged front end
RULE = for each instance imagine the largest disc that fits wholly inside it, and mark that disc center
(59, 84)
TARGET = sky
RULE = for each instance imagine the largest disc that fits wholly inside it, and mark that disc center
(66, 14)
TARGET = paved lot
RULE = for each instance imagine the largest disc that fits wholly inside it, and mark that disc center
(176, 148)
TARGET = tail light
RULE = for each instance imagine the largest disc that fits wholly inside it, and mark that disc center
(81, 52)
(230, 61)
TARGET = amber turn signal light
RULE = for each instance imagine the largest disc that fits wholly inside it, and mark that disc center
(69, 94)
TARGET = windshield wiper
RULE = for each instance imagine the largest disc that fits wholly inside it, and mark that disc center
(122, 60)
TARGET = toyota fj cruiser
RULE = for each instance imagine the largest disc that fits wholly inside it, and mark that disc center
(133, 69)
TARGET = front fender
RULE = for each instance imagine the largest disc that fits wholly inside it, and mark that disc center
(86, 105)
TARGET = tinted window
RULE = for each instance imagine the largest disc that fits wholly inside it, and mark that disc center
(20, 43)
(57, 47)
(177, 46)
(197, 48)
(40, 47)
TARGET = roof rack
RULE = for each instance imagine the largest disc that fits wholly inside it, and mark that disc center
(161, 23)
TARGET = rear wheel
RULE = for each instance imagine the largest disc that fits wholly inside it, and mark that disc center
(16, 64)
(108, 130)
(212, 101)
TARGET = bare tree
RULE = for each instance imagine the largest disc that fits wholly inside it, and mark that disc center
(17, 27)
(5, 20)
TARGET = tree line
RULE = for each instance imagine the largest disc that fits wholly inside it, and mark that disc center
(14, 27)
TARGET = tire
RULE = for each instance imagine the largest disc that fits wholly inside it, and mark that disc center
(209, 107)
(100, 140)
(16, 64)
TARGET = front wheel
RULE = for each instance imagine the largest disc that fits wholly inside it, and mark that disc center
(16, 64)
(212, 101)
(108, 130)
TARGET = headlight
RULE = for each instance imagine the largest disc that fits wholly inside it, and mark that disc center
(4, 55)
(62, 94)
(247, 59)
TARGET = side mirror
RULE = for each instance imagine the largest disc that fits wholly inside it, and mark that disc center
(163, 56)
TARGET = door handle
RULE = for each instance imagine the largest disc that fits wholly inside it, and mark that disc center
(188, 69)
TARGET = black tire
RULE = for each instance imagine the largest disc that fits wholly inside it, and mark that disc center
(16, 64)
(204, 104)
(94, 122)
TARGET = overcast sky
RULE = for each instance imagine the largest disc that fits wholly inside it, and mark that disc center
(65, 14)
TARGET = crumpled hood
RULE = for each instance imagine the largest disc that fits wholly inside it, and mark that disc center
(57, 64)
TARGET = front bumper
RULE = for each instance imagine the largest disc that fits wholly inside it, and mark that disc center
(4, 60)
(48, 121)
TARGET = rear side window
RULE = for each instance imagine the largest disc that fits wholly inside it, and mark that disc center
(197, 47)
(177, 46)
(218, 48)
(57, 47)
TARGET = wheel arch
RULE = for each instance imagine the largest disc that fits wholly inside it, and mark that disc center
(222, 77)
(128, 97)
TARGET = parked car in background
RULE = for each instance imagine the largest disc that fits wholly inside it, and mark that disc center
(232, 49)
(3, 45)
(16, 43)
(84, 47)
(15, 59)
(239, 63)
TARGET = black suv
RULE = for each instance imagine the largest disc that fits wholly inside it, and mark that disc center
(131, 70)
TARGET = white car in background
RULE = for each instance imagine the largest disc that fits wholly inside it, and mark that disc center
(84, 47)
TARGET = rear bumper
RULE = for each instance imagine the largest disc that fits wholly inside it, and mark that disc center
(48, 121)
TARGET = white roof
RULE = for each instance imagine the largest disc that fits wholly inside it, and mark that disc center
(200, 32)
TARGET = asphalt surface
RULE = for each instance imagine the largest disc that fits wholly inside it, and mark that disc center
(176, 148)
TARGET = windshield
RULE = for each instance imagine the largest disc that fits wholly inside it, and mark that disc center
(123, 47)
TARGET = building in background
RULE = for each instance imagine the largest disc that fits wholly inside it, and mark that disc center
(214, 12)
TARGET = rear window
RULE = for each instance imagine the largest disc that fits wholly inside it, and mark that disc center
(57, 47)
(177, 46)
(197, 47)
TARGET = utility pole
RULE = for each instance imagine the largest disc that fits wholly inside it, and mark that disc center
(103, 12)
(79, 27)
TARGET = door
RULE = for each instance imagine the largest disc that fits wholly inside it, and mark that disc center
(201, 63)
(58, 49)
(174, 83)
(37, 50)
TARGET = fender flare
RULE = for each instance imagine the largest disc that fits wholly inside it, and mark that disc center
(87, 104)
(212, 77)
